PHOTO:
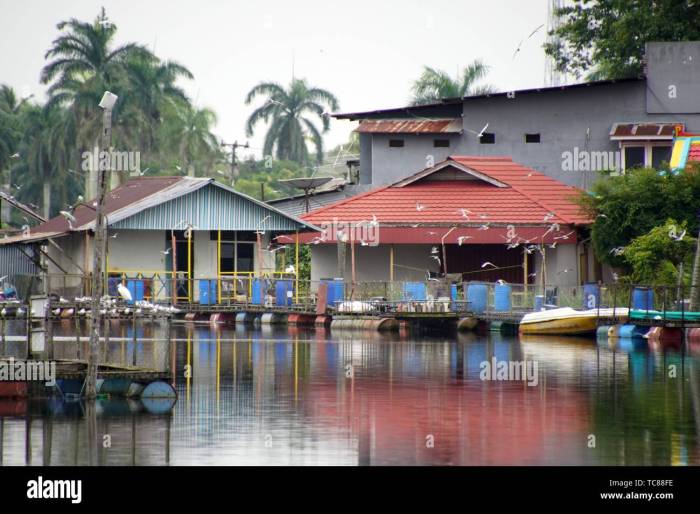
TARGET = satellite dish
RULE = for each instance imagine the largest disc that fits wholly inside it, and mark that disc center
(306, 184)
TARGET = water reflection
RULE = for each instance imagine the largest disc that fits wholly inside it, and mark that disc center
(291, 396)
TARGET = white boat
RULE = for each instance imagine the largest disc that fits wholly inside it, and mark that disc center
(568, 321)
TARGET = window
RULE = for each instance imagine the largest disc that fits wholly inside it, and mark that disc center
(441, 143)
(634, 156)
(396, 143)
(650, 154)
(660, 155)
(487, 138)
(532, 138)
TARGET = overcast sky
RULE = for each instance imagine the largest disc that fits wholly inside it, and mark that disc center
(367, 52)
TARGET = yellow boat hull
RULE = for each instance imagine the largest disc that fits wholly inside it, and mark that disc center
(566, 326)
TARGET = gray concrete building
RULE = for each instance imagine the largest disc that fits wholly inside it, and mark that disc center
(567, 132)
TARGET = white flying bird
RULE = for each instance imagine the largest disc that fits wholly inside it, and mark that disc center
(487, 263)
(462, 239)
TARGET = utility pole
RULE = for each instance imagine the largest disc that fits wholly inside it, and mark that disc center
(103, 179)
(234, 146)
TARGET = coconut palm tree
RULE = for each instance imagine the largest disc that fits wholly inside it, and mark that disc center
(85, 65)
(45, 150)
(434, 85)
(188, 134)
(10, 126)
(287, 112)
(152, 87)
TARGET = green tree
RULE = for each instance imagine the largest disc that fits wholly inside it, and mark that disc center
(605, 39)
(287, 111)
(188, 134)
(434, 85)
(656, 256)
(628, 206)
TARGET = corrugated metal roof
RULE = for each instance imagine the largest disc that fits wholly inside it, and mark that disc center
(644, 130)
(406, 110)
(32, 238)
(20, 206)
(208, 208)
(164, 201)
(411, 126)
(14, 260)
(527, 198)
(296, 206)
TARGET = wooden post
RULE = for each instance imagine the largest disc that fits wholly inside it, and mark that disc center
(189, 266)
(296, 266)
(218, 266)
(391, 263)
(543, 272)
(352, 264)
(173, 252)
(103, 179)
(341, 259)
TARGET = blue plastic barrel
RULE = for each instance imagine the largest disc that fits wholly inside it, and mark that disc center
(336, 291)
(453, 292)
(643, 298)
(539, 302)
(207, 292)
(477, 296)
(591, 295)
(258, 296)
(282, 290)
(502, 297)
(136, 289)
(415, 291)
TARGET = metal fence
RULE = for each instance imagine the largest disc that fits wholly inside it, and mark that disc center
(286, 291)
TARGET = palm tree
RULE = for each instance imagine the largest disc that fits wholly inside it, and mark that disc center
(45, 149)
(10, 126)
(434, 85)
(84, 65)
(287, 113)
(152, 87)
(188, 132)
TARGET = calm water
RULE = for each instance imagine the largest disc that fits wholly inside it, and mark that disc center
(277, 397)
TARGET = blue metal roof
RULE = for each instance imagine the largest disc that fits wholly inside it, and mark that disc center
(210, 207)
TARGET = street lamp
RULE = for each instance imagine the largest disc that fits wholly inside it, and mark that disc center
(103, 179)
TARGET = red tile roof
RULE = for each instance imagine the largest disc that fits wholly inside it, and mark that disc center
(525, 198)
(694, 152)
(411, 126)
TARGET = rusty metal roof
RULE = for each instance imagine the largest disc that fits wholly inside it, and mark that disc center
(644, 130)
(411, 126)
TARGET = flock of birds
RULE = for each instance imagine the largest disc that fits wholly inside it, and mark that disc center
(82, 307)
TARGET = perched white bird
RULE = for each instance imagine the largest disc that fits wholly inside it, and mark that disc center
(290, 269)
(124, 292)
